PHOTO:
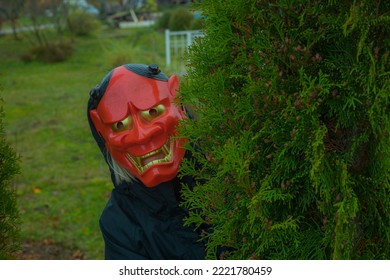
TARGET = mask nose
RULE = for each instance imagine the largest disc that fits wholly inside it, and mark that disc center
(142, 134)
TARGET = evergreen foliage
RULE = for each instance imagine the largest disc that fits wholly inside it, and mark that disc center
(162, 22)
(9, 215)
(180, 19)
(292, 131)
(81, 23)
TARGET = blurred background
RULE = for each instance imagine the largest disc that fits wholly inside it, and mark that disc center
(52, 52)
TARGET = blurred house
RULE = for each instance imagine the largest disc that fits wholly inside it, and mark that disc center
(82, 5)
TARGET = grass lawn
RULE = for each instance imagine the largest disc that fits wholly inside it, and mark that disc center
(64, 182)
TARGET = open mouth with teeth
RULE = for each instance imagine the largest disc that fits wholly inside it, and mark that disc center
(164, 154)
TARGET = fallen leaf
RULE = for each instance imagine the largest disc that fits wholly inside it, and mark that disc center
(36, 190)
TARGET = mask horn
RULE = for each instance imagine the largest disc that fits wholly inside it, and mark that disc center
(173, 85)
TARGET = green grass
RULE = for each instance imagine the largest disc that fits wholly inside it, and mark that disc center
(64, 183)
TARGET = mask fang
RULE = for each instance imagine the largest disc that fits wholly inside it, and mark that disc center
(165, 150)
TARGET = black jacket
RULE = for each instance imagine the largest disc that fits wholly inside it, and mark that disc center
(147, 223)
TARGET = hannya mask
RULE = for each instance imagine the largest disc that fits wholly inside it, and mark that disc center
(137, 119)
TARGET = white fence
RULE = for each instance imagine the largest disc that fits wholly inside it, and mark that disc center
(176, 44)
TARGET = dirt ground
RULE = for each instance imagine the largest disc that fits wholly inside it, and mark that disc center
(47, 250)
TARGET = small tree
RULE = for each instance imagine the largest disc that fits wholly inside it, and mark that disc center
(11, 10)
(9, 215)
(81, 23)
(293, 129)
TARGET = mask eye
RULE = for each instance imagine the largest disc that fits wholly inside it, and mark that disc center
(122, 125)
(153, 113)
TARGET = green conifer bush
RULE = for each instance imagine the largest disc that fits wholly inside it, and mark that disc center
(9, 214)
(291, 140)
(180, 19)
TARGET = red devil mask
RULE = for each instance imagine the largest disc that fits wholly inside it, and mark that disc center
(137, 119)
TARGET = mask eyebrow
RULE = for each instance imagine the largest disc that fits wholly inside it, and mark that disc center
(151, 105)
(150, 94)
(111, 113)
